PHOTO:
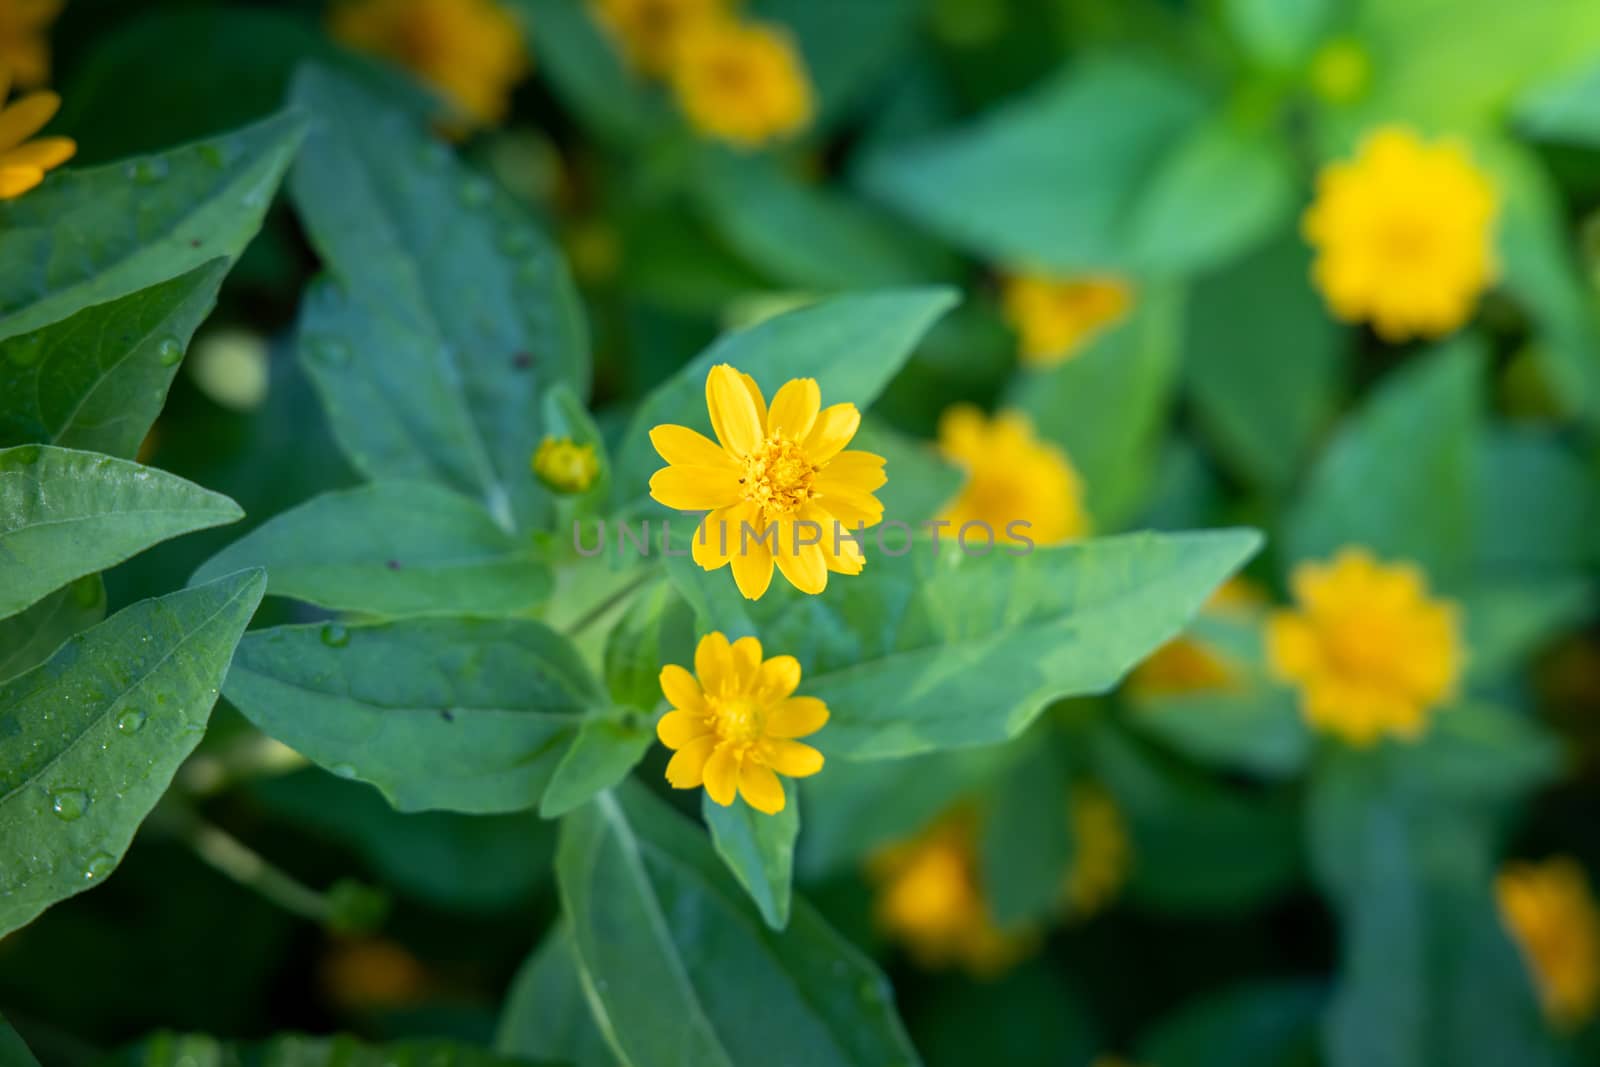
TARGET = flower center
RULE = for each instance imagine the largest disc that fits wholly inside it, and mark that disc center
(739, 720)
(1361, 648)
(778, 477)
(1406, 242)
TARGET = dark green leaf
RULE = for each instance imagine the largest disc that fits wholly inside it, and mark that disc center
(1507, 623)
(545, 1015)
(392, 549)
(28, 638)
(446, 314)
(657, 629)
(65, 514)
(90, 740)
(467, 715)
(1027, 842)
(294, 1050)
(1251, 1026)
(680, 966)
(587, 71)
(759, 850)
(606, 748)
(86, 237)
(13, 1053)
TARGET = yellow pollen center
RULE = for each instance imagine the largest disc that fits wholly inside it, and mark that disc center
(1358, 648)
(778, 477)
(1406, 241)
(739, 720)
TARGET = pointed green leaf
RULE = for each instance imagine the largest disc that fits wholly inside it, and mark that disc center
(1257, 1025)
(28, 638)
(13, 1053)
(657, 629)
(98, 379)
(606, 749)
(544, 1016)
(759, 850)
(391, 549)
(930, 650)
(673, 955)
(86, 237)
(445, 314)
(65, 514)
(90, 739)
(851, 344)
(467, 715)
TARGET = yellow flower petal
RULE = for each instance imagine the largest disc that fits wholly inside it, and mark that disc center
(746, 662)
(687, 769)
(761, 788)
(797, 717)
(695, 488)
(713, 664)
(678, 729)
(776, 679)
(852, 508)
(46, 153)
(733, 415)
(752, 569)
(793, 758)
(834, 428)
(857, 472)
(683, 447)
(756, 398)
(717, 537)
(26, 116)
(681, 689)
(804, 566)
(14, 181)
(722, 775)
(795, 408)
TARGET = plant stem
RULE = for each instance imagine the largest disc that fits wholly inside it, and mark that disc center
(227, 854)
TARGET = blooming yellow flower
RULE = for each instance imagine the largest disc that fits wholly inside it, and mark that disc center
(1056, 317)
(24, 39)
(650, 32)
(1404, 235)
(734, 722)
(23, 162)
(566, 466)
(470, 50)
(1100, 851)
(1369, 651)
(741, 82)
(779, 487)
(1020, 487)
(1551, 914)
(930, 899)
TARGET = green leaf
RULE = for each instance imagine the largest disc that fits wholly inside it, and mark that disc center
(924, 651)
(392, 549)
(65, 514)
(1566, 108)
(1262, 361)
(920, 483)
(998, 186)
(1031, 1016)
(851, 344)
(1403, 494)
(759, 850)
(90, 740)
(86, 237)
(1542, 512)
(28, 638)
(13, 1052)
(846, 45)
(1026, 843)
(98, 379)
(673, 955)
(544, 1016)
(1279, 33)
(606, 749)
(1507, 622)
(295, 1050)
(657, 629)
(446, 314)
(467, 715)
(1108, 406)
(1257, 1025)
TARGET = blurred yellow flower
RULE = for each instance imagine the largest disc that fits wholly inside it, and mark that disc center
(1100, 851)
(741, 82)
(650, 32)
(367, 973)
(472, 51)
(779, 487)
(1022, 488)
(1550, 911)
(1190, 665)
(1404, 235)
(25, 41)
(1055, 318)
(734, 722)
(566, 466)
(1371, 653)
(23, 163)
(929, 898)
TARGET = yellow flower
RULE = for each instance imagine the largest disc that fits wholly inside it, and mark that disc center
(1021, 488)
(23, 162)
(566, 466)
(1551, 914)
(734, 722)
(1404, 235)
(650, 32)
(1056, 317)
(741, 82)
(1369, 651)
(470, 50)
(779, 488)
(24, 40)
(1100, 852)
(930, 899)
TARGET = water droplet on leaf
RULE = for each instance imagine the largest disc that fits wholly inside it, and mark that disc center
(343, 770)
(69, 804)
(335, 635)
(131, 721)
(99, 866)
(169, 352)
(147, 171)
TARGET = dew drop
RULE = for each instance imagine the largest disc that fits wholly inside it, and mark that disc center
(335, 635)
(343, 770)
(99, 866)
(131, 721)
(169, 351)
(69, 804)
(147, 171)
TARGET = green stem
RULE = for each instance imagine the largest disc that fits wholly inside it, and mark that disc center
(610, 603)
(225, 853)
